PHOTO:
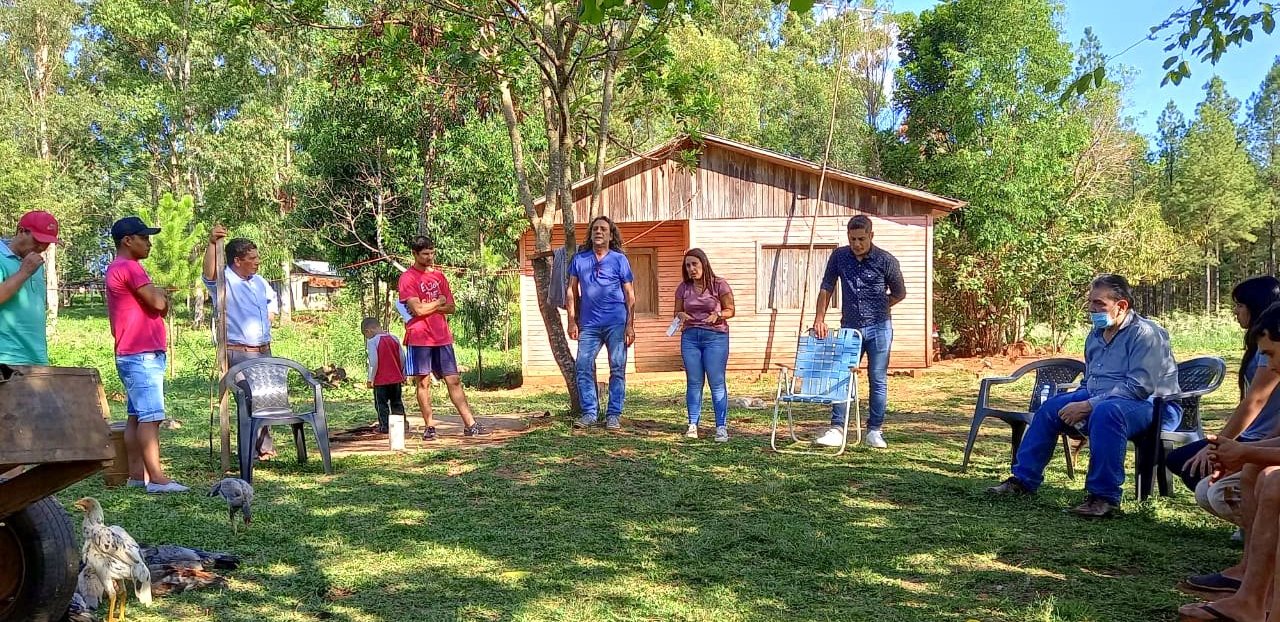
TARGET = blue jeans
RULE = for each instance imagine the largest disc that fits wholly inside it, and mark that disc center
(590, 339)
(876, 341)
(142, 375)
(706, 354)
(1109, 428)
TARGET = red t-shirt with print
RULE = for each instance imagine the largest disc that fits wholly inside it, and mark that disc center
(427, 286)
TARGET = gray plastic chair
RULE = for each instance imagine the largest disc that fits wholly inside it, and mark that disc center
(1197, 377)
(1050, 375)
(261, 388)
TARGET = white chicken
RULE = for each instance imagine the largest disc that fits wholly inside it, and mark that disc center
(113, 556)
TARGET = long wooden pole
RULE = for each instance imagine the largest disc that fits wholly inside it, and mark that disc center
(822, 175)
(220, 333)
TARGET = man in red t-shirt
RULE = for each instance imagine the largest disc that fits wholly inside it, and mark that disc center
(424, 290)
(136, 310)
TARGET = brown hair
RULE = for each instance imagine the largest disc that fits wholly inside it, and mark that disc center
(708, 275)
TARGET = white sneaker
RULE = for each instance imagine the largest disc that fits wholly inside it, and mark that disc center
(833, 437)
(876, 439)
(172, 486)
(722, 434)
(692, 432)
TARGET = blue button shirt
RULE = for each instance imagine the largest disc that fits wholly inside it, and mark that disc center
(250, 304)
(1137, 364)
(1264, 426)
(865, 285)
(600, 288)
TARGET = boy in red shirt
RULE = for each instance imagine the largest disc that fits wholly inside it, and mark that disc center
(424, 290)
(386, 371)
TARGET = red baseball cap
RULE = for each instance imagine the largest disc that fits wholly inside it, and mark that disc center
(42, 225)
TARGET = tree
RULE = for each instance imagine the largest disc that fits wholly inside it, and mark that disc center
(1213, 198)
(978, 127)
(34, 37)
(1264, 134)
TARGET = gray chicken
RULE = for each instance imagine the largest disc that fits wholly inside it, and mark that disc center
(239, 495)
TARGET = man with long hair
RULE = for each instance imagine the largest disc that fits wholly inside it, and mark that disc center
(600, 280)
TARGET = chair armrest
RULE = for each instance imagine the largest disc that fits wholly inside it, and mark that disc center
(1185, 395)
(994, 380)
(1063, 387)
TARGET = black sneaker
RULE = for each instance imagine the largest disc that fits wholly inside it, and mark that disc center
(429, 434)
(475, 430)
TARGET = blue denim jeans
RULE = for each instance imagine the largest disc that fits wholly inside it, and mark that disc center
(142, 375)
(706, 354)
(1109, 428)
(613, 338)
(876, 341)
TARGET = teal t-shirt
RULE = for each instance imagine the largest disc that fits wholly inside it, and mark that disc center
(22, 340)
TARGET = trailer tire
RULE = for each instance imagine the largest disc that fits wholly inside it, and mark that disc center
(41, 577)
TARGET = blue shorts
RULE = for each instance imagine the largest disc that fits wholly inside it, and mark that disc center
(143, 377)
(437, 361)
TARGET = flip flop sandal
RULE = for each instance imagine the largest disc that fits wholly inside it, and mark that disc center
(1218, 616)
(1215, 582)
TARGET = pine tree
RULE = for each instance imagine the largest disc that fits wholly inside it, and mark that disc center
(1214, 197)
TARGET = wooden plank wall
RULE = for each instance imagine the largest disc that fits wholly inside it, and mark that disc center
(654, 351)
(758, 340)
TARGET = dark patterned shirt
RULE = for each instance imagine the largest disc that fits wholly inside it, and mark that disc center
(865, 285)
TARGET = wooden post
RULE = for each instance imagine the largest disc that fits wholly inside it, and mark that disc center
(220, 331)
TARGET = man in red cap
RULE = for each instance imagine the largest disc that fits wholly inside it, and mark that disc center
(22, 291)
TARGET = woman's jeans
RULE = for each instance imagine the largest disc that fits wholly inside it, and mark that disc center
(706, 354)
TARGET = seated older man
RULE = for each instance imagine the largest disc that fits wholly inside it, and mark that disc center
(1258, 464)
(1127, 360)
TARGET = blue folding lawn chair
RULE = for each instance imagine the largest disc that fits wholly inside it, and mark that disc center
(825, 374)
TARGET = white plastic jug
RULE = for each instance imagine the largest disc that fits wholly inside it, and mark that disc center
(395, 432)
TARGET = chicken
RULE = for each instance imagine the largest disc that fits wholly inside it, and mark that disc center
(174, 555)
(239, 495)
(113, 557)
(174, 579)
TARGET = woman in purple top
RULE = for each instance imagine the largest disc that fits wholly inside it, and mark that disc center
(703, 303)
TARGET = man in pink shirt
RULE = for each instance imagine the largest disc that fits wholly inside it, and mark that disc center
(424, 290)
(136, 309)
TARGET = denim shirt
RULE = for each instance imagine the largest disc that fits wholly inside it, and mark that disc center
(1137, 364)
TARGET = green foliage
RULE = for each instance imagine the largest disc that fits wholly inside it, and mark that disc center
(175, 260)
(1213, 198)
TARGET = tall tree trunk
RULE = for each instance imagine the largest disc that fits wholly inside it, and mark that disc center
(540, 223)
(286, 292)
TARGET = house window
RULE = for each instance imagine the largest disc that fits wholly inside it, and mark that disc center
(644, 266)
(780, 277)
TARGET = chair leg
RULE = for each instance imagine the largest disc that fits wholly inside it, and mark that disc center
(1069, 456)
(973, 436)
(1163, 474)
(321, 427)
(773, 429)
(300, 441)
(246, 430)
(1144, 466)
(1017, 430)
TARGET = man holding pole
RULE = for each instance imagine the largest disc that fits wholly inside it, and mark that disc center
(248, 310)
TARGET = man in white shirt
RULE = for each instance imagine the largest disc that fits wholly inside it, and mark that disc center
(251, 307)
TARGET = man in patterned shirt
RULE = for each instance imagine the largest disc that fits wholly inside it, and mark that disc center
(871, 283)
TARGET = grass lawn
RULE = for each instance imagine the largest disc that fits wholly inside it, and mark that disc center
(645, 525)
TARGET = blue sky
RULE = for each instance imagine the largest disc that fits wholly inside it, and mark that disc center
(1119, 24)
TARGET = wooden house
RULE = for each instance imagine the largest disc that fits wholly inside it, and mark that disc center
(753, 212)
(313, 285)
